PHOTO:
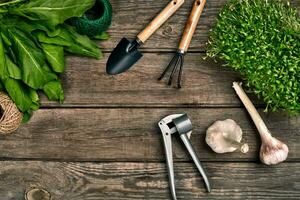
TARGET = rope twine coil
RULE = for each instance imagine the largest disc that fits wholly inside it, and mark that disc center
(11, 117)
(96, 20)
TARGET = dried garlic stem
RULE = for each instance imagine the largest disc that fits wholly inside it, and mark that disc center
(258, 121)
(272, 151)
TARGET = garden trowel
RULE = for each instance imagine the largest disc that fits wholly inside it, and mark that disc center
(126, 54)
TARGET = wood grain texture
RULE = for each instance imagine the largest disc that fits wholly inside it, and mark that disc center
(204, 84)
(130, 17)
(108, 125)
(160, 19)
(133, 135)
(116, 181)
(191, 25)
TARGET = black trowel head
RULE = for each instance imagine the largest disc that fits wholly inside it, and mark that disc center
(123, 57)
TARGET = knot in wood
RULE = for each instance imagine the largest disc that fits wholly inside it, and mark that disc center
(37, 194)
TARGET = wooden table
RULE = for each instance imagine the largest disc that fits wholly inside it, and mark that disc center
(104, 143)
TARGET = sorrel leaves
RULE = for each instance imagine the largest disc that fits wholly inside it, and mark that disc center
(51, 12)
(33, 41)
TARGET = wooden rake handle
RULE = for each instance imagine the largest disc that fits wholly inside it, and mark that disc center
(160, 19)
(191, 25)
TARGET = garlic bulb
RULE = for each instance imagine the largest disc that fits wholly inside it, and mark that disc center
(272, 150)
(225, 136)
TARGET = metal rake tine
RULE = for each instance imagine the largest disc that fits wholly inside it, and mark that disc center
(168, 67)
(174, 70)
(180, 71)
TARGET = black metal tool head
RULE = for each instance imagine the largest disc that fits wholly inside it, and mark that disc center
(123, 57)
(177, 61)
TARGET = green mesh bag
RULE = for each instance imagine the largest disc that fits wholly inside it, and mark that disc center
(96, 20)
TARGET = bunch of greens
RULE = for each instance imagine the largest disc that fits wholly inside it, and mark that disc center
(261, 39)
(33, 39)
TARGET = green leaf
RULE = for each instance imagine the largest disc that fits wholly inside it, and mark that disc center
(5, 39)
(11, 54)
(82, 45)
(77, 49)
(34, 96)
(34, 106)
(19, 93)
(55, 56)
(3, 68)
(2, 88)
(51, 13)
(13, 70)
(9, 3)
(56, 40)
(72, 41)
(35, 99)
(31, 61)
(102, 36)
(26, 116)
(54, 91)
(3, 10)
(26, 25)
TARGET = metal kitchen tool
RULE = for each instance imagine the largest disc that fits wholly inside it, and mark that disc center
(180, 124)
(189, 31)
(126, 53)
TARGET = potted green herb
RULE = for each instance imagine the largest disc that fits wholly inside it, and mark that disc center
(261, 40)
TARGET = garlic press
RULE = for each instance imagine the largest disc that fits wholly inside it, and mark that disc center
(179, 124)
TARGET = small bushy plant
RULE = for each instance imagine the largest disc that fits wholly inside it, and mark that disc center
(261, 40)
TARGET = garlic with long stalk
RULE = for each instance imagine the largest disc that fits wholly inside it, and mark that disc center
(225, 136)
(272, 150)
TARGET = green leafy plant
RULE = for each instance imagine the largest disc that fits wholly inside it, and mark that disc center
(261, 40)
(33, 41)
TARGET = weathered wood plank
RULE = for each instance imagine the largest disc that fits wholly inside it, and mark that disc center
(132, 135)
(204, 84)
(95, 181)
(130, 17)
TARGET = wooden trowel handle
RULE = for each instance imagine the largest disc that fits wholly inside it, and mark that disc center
(191, 25)
(160, 19)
